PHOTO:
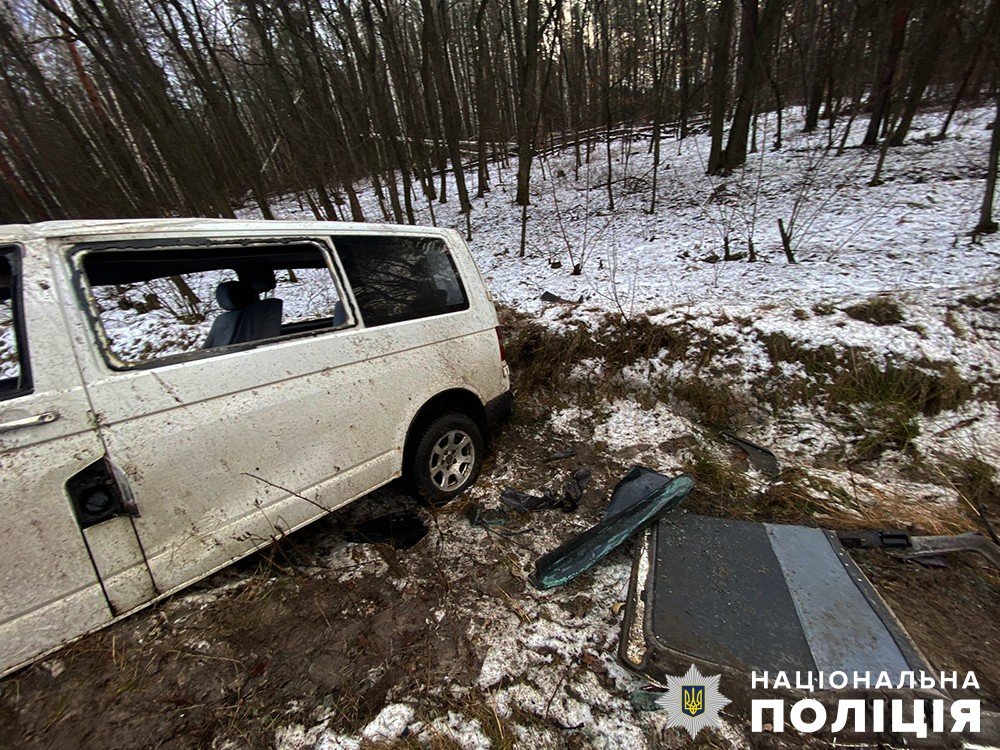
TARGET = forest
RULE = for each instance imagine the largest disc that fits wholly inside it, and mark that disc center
(128, 108)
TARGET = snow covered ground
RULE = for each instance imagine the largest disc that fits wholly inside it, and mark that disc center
(551, 655)
(850, 240)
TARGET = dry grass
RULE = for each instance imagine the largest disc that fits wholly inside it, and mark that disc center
(887, 509)
(717, 476)
(973, 478)
(872, 406)
(541, 359)
(879, 402)
(713, 402)
(879, 311)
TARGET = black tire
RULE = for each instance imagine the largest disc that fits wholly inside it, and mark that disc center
(451, 436)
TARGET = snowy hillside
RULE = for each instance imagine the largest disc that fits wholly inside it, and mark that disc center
(849, 239)
(869, 367)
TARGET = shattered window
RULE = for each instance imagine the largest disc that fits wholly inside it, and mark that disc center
(401, 278)
(14, 375)
(158, 304)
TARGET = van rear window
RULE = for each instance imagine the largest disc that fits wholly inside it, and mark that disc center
(401, 278)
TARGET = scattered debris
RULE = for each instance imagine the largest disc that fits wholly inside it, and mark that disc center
(870, 539)
(638, 499)
(932, 546)
(560, 455)
(488, 518)
(550, 297)
(821, 612)
(401, 529)
(922, 548)
(637, 485)
(760, 458)
(568, 502)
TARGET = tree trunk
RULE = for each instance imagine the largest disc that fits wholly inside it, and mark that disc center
(685, 68)
(756, 41)
(939, 22)
(883, 86)
(986, 223)
(720, 83)
(527, 52)
(606, 91)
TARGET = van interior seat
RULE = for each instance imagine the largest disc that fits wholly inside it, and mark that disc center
(339, 314)
(265, 314)
(246, 317)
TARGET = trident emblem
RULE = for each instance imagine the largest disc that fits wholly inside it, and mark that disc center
(694, 699)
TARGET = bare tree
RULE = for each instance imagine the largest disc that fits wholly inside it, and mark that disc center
(986, 223)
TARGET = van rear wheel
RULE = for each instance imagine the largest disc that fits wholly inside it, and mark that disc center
(448, 456)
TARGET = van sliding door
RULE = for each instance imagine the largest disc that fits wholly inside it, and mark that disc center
(224, 376)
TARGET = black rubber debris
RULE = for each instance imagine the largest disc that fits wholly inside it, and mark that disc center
(566, 501)
(760, 458)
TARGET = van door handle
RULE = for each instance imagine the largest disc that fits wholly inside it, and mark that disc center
(17, 424)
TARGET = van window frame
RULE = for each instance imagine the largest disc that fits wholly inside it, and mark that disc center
(446, 245)
(14, 255)
(80, 250)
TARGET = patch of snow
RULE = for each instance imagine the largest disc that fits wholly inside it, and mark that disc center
(297, 737)
(851, 239)
(329, 741)
(390, 724)
(464, 732)
(972, 431)
(570, 421)
(630, 423)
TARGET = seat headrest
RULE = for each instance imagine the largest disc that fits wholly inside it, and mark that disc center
(234, 295)
(260, 278)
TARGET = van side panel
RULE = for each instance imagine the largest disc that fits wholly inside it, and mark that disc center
(226, 453)
(50, 591)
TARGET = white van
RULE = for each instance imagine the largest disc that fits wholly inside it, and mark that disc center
(175, 394)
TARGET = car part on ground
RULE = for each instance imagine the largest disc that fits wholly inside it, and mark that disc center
(920, 547)
(568, 501)
(990, 529)
(760, 458)
(560, 455)
(924, 546)
(638, 499)
(555, 298)
(697, 591)
(488, 517)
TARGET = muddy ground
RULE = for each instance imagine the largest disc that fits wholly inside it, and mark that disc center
(318, 626)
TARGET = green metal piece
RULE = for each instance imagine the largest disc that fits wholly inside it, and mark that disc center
(582, 552)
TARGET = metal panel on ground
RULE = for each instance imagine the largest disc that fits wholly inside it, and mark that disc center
(756, 597)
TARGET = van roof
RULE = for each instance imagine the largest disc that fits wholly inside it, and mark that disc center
(76, 227)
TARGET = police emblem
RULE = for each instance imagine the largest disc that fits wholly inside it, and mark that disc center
(693, 701)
